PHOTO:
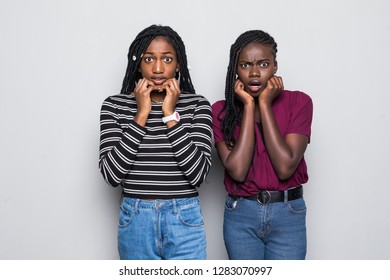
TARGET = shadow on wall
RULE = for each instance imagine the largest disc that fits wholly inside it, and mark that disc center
(212, 196)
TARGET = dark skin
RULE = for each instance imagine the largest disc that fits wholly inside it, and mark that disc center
(257, 87)
(158, 68)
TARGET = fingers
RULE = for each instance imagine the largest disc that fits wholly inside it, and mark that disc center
(238, 85)
(272, 89)
(172, 86)
(144, 85)
(173, 92)
(275, 83)
(142, 95)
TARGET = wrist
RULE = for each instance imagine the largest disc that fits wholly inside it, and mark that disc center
(264, 102)
(141, 118)
(168, 113)
(172, 117)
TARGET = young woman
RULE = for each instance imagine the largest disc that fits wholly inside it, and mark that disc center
(261, 132)
(156, 144)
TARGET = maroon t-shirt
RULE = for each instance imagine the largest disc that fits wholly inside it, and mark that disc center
(293, 112)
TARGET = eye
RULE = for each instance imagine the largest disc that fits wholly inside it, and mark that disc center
(264, 64)
(244, 65)
(148, 59)
(168, 59)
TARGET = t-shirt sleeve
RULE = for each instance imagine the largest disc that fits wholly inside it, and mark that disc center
(302, 115)
(216, 108)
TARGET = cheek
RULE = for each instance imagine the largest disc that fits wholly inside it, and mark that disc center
(267, 74)
(171, 72)
(143, 70)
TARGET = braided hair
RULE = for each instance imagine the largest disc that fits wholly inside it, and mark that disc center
(138, 48)
(233, 105)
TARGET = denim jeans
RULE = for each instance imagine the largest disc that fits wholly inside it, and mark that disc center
(274, 231)
(161, 229)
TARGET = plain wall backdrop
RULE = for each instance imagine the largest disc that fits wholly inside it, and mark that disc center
(60, 59)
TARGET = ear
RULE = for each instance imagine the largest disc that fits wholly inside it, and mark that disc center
(178, 68)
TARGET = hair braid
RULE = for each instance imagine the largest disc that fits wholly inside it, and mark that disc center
(138, 48)
(233, 105)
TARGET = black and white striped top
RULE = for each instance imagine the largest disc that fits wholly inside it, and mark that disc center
(154, 161)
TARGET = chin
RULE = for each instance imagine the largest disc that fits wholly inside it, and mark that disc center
(255, 94)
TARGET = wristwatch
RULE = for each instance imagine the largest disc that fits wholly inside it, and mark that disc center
(174, 117)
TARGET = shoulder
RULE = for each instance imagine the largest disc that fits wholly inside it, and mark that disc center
(218, 105)
(119, 98)
(119, 102)
(296, 94)
(294, 98)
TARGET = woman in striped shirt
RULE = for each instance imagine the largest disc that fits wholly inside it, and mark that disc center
(155, 142)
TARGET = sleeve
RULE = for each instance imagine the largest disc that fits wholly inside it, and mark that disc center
(302, 115)
(192, 147)
(118, 147)
(217, 129)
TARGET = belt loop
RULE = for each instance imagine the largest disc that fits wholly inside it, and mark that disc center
(285, 196)
(136, 206)
(174, 206)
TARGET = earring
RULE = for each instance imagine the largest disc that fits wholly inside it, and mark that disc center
(236, 76)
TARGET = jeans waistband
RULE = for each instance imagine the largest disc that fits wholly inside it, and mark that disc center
(160, 203)
(265, 197)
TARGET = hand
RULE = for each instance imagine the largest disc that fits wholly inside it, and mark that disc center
(272, 89)
(172, 89)
(241, 94)
(142, 96)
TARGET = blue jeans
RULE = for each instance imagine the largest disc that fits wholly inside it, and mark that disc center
(161, 229)
(274, 231)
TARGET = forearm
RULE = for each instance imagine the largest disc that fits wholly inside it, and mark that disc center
(192, 147)
(280, 154)
(239, 159)
(118, 150)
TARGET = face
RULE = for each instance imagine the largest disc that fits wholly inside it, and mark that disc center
(159, 62)
(256, 64)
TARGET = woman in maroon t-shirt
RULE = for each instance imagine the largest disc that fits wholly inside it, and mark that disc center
(261, 132)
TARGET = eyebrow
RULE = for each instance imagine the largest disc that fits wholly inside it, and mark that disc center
(250, 61)
(162, 53)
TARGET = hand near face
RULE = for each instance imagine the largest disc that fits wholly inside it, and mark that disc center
(241, 94)
(142, 96)
(172, 89)
(272, 89)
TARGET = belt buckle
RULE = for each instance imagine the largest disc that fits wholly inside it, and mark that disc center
(264, 197)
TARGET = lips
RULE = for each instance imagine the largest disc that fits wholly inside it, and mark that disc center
(158, 81)
(254, 86)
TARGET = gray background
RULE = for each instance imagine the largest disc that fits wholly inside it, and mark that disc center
(60, 59)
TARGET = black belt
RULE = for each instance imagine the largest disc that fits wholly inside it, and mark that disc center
(265, 197)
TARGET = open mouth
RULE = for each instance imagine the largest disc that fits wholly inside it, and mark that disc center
(158, 81)
(254, 86)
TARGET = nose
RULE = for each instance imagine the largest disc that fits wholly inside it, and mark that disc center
(254, 71)
(158, 67)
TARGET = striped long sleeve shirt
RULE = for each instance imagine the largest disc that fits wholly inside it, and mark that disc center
(154, 161)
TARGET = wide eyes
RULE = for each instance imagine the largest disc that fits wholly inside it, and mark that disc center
(165, 59)
(264, 64)
(261, 64)
(168, 59)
